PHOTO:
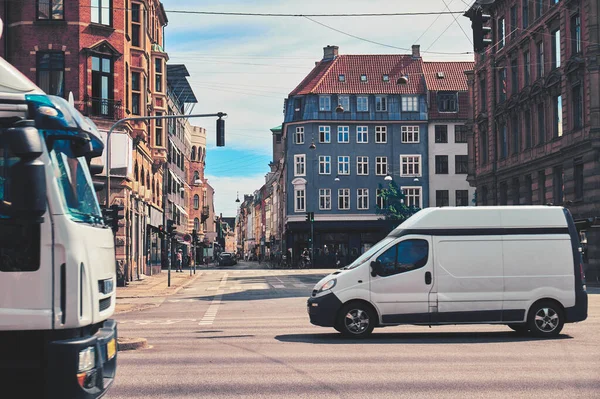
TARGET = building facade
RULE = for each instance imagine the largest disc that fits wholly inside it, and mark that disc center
(536, 103)
(347, 126)
(198, 210)
(110, 57)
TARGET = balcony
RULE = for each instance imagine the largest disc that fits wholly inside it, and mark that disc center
(102, 108)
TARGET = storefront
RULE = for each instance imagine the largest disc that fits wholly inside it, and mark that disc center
(153, 241)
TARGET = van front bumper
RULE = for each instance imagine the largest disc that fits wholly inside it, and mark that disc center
(323, 310)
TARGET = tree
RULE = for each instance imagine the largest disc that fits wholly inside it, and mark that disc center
(395, 208)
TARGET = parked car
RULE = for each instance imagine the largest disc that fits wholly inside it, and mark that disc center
(226, 259)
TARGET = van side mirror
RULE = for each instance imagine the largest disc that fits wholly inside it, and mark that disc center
(25, 193)
(375, 268)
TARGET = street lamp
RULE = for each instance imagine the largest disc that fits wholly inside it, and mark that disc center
(402, 80)
(339, 108)
(388, 178)
(238, 196)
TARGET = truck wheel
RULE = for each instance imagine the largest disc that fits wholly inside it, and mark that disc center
(545, 319)
(356, 320)
(520, 328)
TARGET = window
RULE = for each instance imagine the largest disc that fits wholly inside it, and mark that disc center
(324, 103)
(343, 134)
(557, 185)
(102, 87)
(577, 106)
(411, 165)
(558, 129)
(578, 176)
(410, 134)
(341, 77)
(404, 257)
(299, 165)
(362, 165)
(441, 134)
(362, 134)
(380, 103)
(513, 20)
(462, 197)
(541, 111)
(344, 101)
(461, 164)
(539, 8)
(51, 72)
(484, 196)
(556, 48)
(324, 134)
(193, 155)
(528, 190)
(441, 164)
(136, 24)
(362, 104)
(50, 10)
(196, 201)
(381, 166)
(503, 200)
(196, 173)
(324, 199)
(447, 102)
(516, 191)
(515, 134)
(196, 224)
(483, 94)
(362, 198)
(410, 103)
(525, 15)
(503, 141)
(413, 196)
(442, 198)
(527, 120)
(102, 12)
(575, 34)
(381, 134)
(324, 165)
(299, 136)
(135, 93)
(386, 78)
(483, 151)
(158, 130)
(344, 198)
(460, 134)
(514, 77)
(542, 187)
(363, 78)
(343, 165)
(502, 85)
(379, 200)
(299, 202)
(158, 75)
(501, 33)
(526, 66)
(540, 59)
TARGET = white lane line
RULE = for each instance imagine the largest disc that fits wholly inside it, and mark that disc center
(211, 312)
(299, 285)
(278, 285)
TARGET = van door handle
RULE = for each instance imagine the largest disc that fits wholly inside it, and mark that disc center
(428, 278)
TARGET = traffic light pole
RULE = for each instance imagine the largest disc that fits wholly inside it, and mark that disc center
(312, 242)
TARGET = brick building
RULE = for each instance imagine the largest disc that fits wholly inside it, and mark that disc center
(536, 111)
(109, 56)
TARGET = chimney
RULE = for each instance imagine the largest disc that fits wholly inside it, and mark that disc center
(416, 52)
(330, 53)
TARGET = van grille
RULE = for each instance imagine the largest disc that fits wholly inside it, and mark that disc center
(104, 303)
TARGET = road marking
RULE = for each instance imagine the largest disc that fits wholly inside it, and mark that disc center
(278, 286)
(299, 285)
(211, 313)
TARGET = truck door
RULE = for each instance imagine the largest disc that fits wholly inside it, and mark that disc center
(403, 281)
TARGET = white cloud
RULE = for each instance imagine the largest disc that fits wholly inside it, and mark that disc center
(227, 188)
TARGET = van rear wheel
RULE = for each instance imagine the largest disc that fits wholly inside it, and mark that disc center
(545, 319)
(355, 320)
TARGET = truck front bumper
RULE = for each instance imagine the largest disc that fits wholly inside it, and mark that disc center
(323, 310)
(67, 380)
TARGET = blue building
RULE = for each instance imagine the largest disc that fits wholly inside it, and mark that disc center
(354, 120)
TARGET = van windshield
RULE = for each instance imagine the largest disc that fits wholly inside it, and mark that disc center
(367, 255)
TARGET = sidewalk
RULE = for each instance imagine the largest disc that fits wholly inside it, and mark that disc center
(152, 290)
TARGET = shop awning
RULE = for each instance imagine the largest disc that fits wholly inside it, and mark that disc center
(181, 209)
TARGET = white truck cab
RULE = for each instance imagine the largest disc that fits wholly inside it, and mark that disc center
(519, 266)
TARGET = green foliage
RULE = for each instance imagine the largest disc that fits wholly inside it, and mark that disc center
(396, 209)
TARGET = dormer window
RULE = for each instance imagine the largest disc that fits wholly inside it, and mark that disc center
(341, 77)
(440, 75)
(363, 78)
(386, 78)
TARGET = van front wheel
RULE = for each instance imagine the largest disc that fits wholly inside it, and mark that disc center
(355, 320)
(545, 319)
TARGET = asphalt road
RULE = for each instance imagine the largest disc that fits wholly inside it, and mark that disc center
(241, 332)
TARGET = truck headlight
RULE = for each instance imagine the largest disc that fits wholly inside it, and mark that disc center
(328, 285)
(87, 359)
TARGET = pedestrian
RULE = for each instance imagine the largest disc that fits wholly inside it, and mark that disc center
(179, 260)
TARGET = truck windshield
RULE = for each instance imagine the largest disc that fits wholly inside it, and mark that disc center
(367, 255)
(75, 183)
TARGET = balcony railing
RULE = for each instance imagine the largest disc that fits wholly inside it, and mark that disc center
(102, 107)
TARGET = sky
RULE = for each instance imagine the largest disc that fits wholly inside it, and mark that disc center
(245, 66)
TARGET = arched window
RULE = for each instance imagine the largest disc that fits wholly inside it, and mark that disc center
(193, 158)
(148, 179)
(136, 172)
(200, 154)
(196, 224)
(196, 176)
(196, 202)
(143, 177)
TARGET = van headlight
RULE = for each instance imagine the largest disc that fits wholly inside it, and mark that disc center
(87, 359)
(328, 285)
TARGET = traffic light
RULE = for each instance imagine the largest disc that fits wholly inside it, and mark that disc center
(478, 20)
(170, 227)
(220, 132)
(310, 216)
(112, 216)
(96, 170)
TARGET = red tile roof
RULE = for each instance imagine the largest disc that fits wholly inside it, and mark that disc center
(324, 78)
(454, 75)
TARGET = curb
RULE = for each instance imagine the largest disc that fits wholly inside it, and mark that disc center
(127, 344)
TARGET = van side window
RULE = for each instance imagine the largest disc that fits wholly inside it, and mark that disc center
(403, 257)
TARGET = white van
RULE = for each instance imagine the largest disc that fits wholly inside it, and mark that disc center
(519, 266)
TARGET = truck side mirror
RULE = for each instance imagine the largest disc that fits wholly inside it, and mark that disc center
(25, 196)
(375, 268)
